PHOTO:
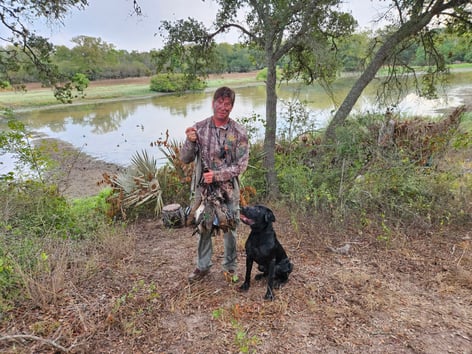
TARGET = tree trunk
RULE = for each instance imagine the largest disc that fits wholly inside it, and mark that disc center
(271, 128)
(409, 28)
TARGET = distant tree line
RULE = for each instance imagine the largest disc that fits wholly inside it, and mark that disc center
(97, 59)
(453, 47)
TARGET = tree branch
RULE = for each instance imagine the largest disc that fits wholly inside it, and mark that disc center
(230, 25)
(38, 339)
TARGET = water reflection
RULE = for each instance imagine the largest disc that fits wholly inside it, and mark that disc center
(114, 131)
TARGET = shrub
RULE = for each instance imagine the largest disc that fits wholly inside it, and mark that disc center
(175, 83)
(254, 177)
(34, 214)
(4, 84)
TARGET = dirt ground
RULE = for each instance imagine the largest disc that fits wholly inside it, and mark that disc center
(412, 294)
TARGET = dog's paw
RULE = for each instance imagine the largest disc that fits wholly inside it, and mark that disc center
(269, 295)
(244, 287)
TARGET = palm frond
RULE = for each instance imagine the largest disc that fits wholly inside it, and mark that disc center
(139, 185)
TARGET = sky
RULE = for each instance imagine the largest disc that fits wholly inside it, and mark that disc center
(113, 21)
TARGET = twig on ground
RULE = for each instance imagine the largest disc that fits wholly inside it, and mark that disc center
(39, 339)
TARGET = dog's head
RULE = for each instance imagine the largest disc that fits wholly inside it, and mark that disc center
(257, 216)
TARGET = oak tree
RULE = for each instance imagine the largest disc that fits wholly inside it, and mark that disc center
(21, 46)
(301, 31)
(413, 21)
(22, 49)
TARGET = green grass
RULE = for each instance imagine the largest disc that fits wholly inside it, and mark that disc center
(419, 69)
(232, 82)
(461, 66)
(45, 97)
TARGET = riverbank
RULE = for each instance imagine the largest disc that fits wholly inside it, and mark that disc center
(77, 174)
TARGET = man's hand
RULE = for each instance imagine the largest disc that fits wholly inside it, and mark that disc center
(208, 177)
(191, 134)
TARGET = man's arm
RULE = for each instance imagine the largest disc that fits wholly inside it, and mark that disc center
(189, 148)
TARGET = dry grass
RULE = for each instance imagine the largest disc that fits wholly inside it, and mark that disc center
(129, 293)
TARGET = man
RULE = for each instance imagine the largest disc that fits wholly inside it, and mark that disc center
(219, 147)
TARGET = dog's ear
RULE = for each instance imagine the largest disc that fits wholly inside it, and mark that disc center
(269, 216)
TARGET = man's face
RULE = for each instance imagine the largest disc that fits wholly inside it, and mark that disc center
(222, 108)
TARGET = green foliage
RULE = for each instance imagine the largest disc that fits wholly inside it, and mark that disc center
(8, 282)
(466, 128)
(35, 209)
(4, 84)
(90, 212)
(236, 58)
(255, 173)
(27, 56)
(242, 341)
(357, 179)
(65, 92)
(16, 140)
(174, 190)
(80, 82)
(253, 126)
(262, 74)
(295, 181)
(353, 50)
(295, 120)
(175, 83)
(31, 214)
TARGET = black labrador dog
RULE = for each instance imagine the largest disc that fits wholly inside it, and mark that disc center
(263, 248)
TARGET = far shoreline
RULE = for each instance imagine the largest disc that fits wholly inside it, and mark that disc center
(38, 98)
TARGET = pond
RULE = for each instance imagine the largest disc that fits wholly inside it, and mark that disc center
(114, 131)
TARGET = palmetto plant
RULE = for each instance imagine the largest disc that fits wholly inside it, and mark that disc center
(175, 177)
(137, 186)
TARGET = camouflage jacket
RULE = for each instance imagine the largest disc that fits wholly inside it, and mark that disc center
(224, 150)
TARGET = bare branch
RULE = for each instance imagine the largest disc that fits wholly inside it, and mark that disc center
(227, 26)
(38, 339)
